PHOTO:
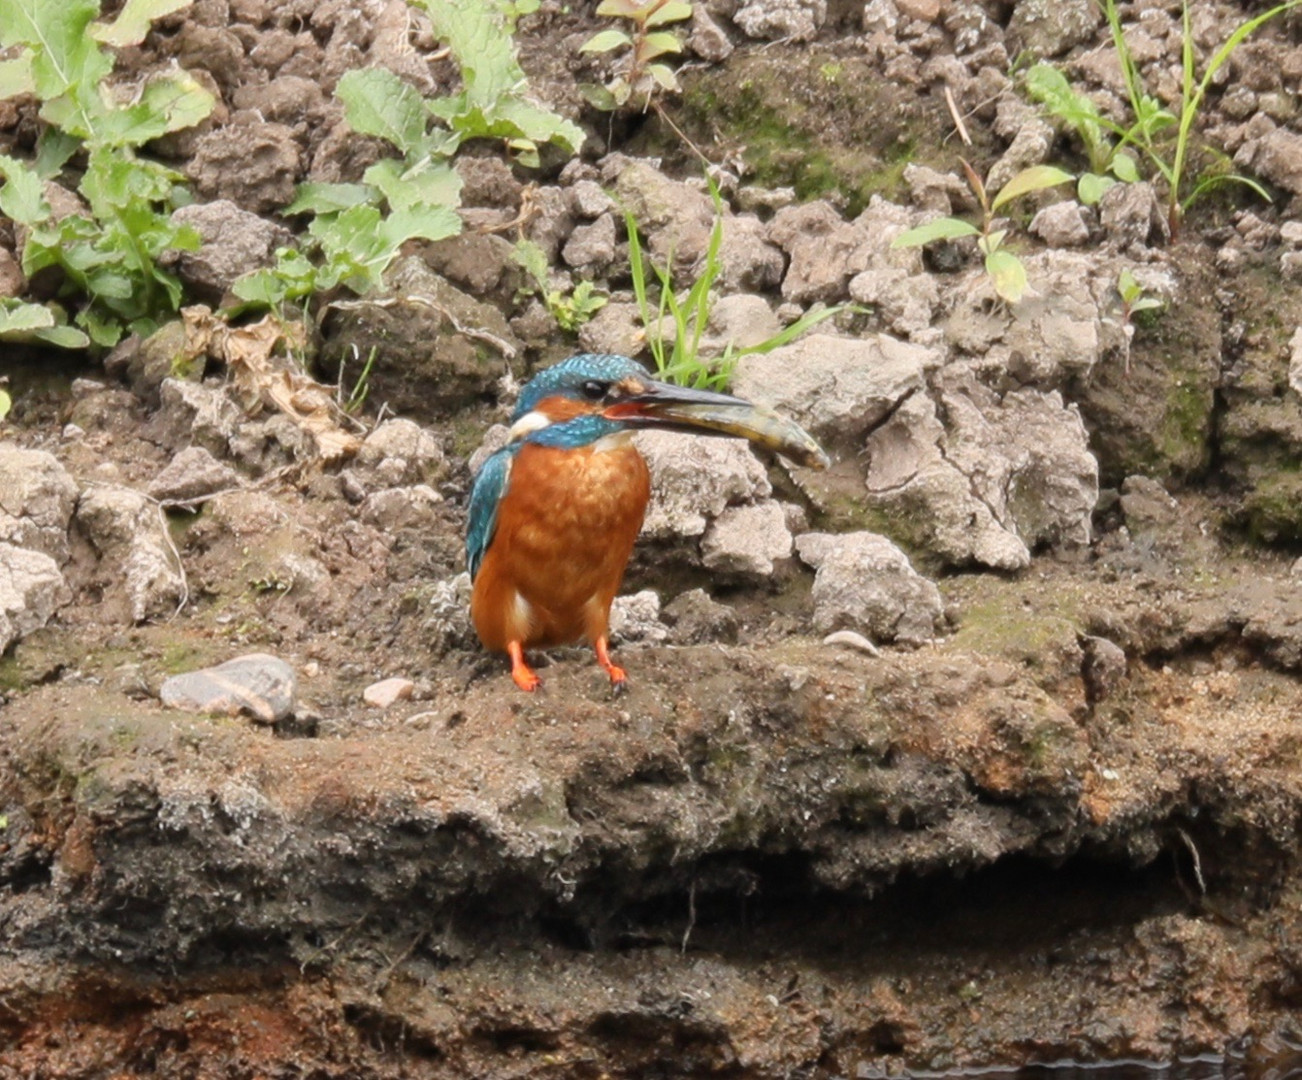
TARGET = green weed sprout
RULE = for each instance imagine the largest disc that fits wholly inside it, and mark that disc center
(680, 361)
(1108, 161)
(1151, 118)
(1005, 269)
(108, 254)
(357, 230)
(1133, 302)
(642, 72)
(570, 311)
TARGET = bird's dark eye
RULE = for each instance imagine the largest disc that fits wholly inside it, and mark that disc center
(594, 390)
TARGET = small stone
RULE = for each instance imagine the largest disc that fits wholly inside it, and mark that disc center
(232, 243)
(746, 540)
(783, 20)
(591, 248)
(37, 497)
(696, 618)
(589, 200)
(706, 37)
(637, 618)
(1104, 668)
(387, 692)
(31, 590)
(1061, 225)
(192, 475)
(261, 685)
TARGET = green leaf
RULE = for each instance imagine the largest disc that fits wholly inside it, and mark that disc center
(1091, 186)
(65, 59)
(532, 122)
(433, 184)
(22, 198)
(377, 102)
(6, 403)
(132, 23)
(658, 44)
(1123, 167)
(664, 76)
(22, 321)
(314, 198)
(621, 9)
(1127, 286)
(946, 228)
(420, 223)
(1008, 274)
(53, 149)
(16, 76)
(673, 11)
(63, 337)
(1036, 178)
(605, 41)
(170, 102)
(1146, 303)
(599, 97)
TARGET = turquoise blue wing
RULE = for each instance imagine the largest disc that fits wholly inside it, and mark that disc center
(485, 497)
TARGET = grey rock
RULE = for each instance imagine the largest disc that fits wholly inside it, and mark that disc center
(479, 262)
(1148, 508)
(250, 162)
(591, 248)
(136, 555)
(13, 282)
(1048, 28)
(261, 685)
(190, 413)
(588, 200)
(837, 388)
(1132, 216)
(1275, 156)
(616, 328)
(234, 242)
(864, 582)
(706, 37)
(1104, 668)
(637, 618)
(673, 218)
(693, 479)
(739, 320)
(37, 499)
(446, 625)
(399, 508)
(552, 220)
(935, 191)
(795, 20)
(745, 541)
(1061, 225)
(749, 261)
(1032, 145)
(696, 618)
(193, 474)
(821, 245)
(996, 478)
(398, 452)
(31, 590)
(905, 302)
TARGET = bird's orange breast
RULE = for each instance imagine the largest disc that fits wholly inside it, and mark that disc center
(565, 530)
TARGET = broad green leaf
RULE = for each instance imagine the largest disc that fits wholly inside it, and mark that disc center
(313, 198)
(420, 223)
(479, 42)
(946, 228)
(673, 11)
(1123, 167)
(170, 102)
(16, 76)
(605, 41)
(65, 59)
(133, 22)
(6, 403)
(430, 184)
(620, 9)
(22, 198)
(524, 152)
(377, 102)
(63, 337)
(1146, 303)
(103, 329)
(532, 122)
(1036, 178)
(1091, 186)
(53, 149)
(21, 317)
(664, 76)
(1128, 287)
(1008, 274)
(599, 97)
(658, 44)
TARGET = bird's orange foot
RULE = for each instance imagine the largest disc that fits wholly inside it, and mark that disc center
(521, 673)
(618, 676)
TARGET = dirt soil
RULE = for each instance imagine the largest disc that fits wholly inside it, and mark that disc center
(773, 857)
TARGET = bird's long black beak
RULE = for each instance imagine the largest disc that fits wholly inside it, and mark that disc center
(681, 408)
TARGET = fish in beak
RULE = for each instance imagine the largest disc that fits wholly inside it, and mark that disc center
(663, 405)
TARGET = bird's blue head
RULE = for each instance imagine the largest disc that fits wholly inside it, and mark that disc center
(595, 395)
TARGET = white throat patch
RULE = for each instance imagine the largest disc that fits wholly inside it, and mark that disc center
(529, 422)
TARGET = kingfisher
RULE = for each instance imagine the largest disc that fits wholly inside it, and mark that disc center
(555, 512)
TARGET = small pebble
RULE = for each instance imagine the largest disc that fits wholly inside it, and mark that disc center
(387, 691)
(853, 640)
